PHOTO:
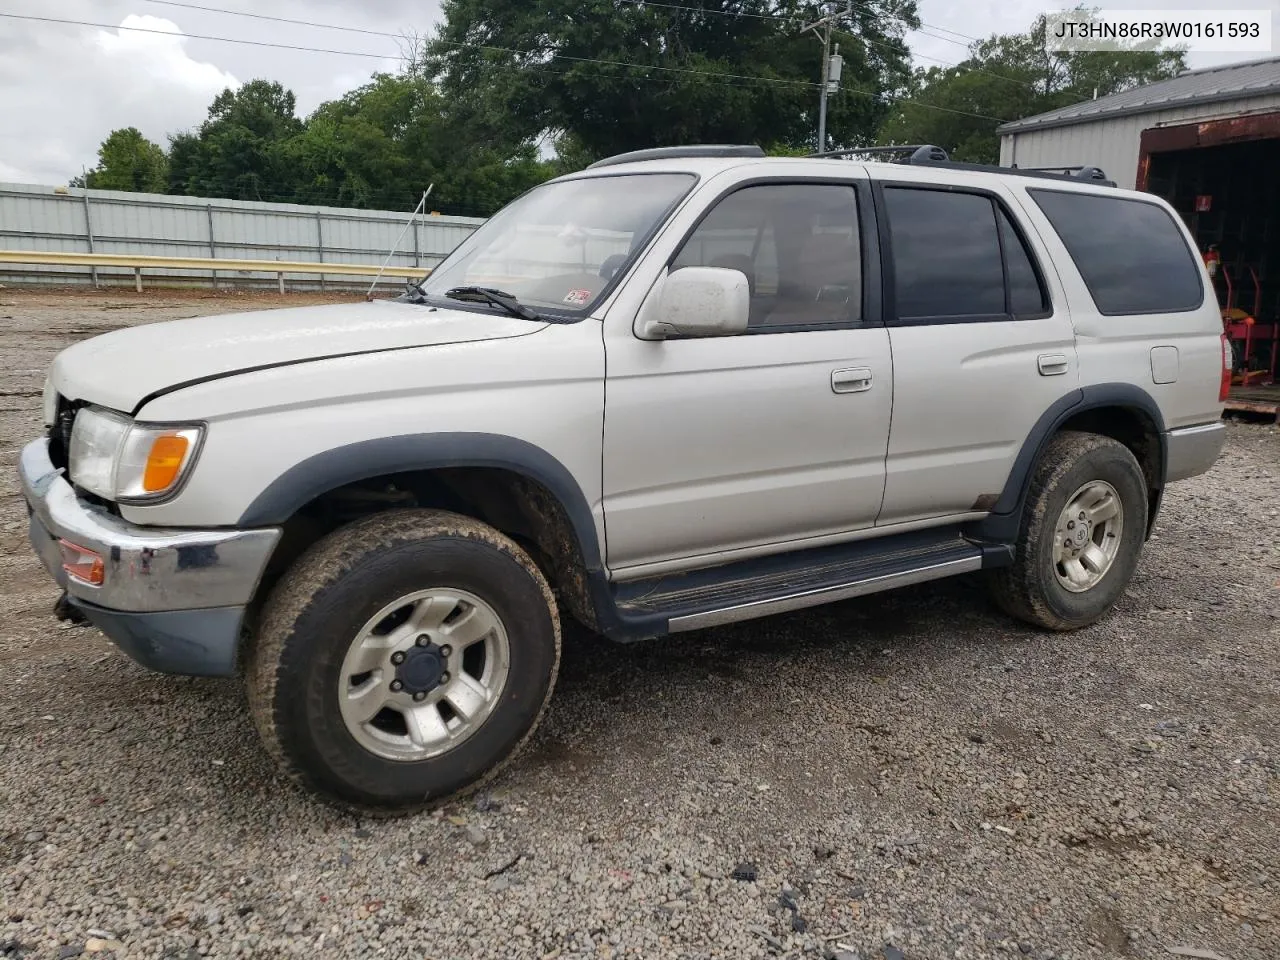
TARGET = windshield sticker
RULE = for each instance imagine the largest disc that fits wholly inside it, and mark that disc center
(577, 297)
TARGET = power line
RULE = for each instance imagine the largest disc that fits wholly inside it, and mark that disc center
(948, 63)
(868, 40)
(380, 56)
(791, 19)
(263, 16)
(671, 6)
(714, 76)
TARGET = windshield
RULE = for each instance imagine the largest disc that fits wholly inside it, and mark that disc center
(559, 246)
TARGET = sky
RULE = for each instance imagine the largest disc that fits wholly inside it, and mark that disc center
(64, 87)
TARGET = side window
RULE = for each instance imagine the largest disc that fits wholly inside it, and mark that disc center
(797, 244)
(1131, 254)
(1026, 295)
(946, 254)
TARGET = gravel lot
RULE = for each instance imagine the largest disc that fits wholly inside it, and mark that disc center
(911, 774)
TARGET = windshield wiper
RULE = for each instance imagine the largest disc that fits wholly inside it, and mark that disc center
(499, 298)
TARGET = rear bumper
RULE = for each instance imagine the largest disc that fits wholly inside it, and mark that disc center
(1191, 451)
(171, 599)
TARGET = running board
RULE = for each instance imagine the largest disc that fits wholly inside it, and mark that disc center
(750, 589)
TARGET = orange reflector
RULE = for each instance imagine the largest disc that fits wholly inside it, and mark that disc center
(85, 565)
(163, 462)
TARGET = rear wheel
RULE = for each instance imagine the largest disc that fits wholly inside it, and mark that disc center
(1082, 533)
(404, 659)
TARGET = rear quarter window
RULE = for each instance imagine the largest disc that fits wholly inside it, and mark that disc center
(1130, 253)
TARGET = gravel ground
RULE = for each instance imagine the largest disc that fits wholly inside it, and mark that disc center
(909, 775)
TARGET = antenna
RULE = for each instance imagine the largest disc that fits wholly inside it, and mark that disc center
(413, 218)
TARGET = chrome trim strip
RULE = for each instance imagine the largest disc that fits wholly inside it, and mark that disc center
(147, 569)
(813, 598)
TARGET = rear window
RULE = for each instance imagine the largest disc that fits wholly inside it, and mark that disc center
(1131, 254)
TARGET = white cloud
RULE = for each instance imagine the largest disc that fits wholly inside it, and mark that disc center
(160, 57)
(64, 87)
(72, 86)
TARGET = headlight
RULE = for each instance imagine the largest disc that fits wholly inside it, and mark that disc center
(132, 462)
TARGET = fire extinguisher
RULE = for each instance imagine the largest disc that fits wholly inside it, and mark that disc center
(1211, 260)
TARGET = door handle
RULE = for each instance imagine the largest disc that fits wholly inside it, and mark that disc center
(851, 380)
(1052, 364)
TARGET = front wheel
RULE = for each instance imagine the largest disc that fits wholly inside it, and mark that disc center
(404, 659)
(1083, 527)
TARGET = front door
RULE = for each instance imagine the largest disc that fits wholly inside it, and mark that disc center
(722, 447)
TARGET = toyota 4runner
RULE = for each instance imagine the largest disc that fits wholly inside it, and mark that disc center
(678, 389)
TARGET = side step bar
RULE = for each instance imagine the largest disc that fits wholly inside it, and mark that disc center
(778, 584)
(821, 595)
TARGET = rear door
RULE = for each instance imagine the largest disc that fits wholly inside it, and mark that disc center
(981, 336)
(1142, 310)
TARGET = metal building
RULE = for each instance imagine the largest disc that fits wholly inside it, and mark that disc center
(1120, 132)
(1208, 141)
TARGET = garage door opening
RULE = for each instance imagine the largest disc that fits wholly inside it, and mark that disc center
(1229, 195)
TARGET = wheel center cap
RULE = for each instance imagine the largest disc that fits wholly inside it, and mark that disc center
(1082, 533)
(421, 670)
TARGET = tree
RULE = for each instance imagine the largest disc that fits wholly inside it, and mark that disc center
(239, 151)
(1007, 78)
(128, 161)
(619, 75)
(383, 144)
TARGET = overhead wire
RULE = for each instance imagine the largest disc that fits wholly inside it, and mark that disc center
(383, 56)
(855, 36)
(714, 76)
(652, 3)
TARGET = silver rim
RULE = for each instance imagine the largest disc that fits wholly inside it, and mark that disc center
(424, 674)
(1087, 537)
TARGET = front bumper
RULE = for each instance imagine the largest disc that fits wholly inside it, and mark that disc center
(171, 599)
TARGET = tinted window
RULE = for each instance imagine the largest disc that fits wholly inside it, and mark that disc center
(1026, 296)
(946, 254)
(797, 244)
(1130, 253)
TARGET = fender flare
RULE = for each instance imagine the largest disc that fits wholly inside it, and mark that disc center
(1006, 516)
(353, 462)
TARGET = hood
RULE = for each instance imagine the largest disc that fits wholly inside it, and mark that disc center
(122, 368)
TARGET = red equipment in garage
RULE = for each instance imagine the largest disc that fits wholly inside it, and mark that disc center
(1246, 333)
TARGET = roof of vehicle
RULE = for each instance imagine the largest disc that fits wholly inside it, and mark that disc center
(1235, 81)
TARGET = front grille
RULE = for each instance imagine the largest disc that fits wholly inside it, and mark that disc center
(60, 432)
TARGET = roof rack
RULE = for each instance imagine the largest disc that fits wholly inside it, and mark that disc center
(916, 154)
(682, 153)
(928, 155)
(920, 152)
(1078, 172)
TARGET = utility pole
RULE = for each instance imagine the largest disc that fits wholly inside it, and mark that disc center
(831, 66)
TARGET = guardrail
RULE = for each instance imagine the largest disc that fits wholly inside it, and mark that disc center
(138, 263)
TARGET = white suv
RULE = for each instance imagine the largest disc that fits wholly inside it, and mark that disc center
(680, 388)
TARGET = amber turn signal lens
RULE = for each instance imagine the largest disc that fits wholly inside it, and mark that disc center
(84, 565)
(163, 462)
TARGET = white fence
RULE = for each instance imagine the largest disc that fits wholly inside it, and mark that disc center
(72, 220)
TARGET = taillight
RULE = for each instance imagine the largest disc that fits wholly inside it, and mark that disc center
(1224, 388)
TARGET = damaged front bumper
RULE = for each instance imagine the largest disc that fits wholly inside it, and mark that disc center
(173, 599)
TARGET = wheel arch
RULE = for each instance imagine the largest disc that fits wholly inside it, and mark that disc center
(1122, 411)
(506, 476)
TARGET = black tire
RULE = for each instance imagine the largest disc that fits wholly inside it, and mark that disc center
(318, 608)
(1029, 590)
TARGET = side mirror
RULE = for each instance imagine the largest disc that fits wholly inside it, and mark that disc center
(696, 302)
